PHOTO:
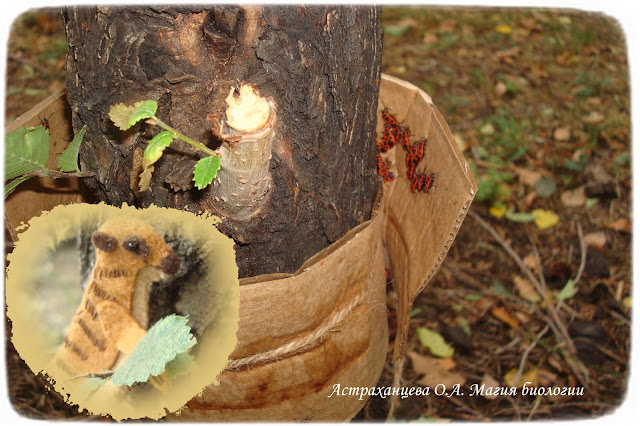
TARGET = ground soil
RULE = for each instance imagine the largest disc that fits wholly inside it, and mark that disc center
(538, 100)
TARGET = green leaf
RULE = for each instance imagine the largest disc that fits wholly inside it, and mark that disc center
(519, 217)
(433, 341)
(567, 292)
(499, 288)
(164, 341)
(545, 186)
(68, 161)
(206, 171)
(156, 146)
(11, 186)
(124, 116)
(396, 30)
(26, 150)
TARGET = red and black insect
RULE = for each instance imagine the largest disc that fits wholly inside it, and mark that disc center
(45, 122)
(403, 138)
(388, 119)
(383, 169)
(392, 135)
(415, 154)
(389, 139)
(422, 182)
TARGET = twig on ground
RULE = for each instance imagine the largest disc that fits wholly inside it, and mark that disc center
(583, 255)
(536, 404)
(558, 324)
(526, 353)
(468, 409)
(40, 68)
(516, 408)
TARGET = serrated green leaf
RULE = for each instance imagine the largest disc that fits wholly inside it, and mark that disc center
(11, 186)
(68, 161)
(206, 171)
(154, 150)
(164, 341)
(26, 150)
(567, 292)
(433, 341)
(519, 217)
(124, 116)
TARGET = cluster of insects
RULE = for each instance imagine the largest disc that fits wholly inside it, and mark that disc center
(392, 135)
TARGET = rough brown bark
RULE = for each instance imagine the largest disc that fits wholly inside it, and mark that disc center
(320, 65)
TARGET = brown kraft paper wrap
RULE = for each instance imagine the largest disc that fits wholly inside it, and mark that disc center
(300, 334)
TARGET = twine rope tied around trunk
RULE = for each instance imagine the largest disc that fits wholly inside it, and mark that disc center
(316, 336)
(302, 342)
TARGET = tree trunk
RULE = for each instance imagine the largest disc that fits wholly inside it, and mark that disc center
(320, 65)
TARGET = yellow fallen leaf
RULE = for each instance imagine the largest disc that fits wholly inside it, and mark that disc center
(498, 210)
(503, 29)
(529, 376)
(545, 218)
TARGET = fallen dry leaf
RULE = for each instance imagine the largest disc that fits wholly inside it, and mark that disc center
(433, 373)
(429, 38)
(529, 376)
(490, 382)
(487, 129)
(446, 363)
(562, 134)
(573, 197)
(546, 378)
(527, 176)
(620, 225)
(593, 117)
(480, 309)
(505, 316)
(595, 239)
(514, 51)
(461, 142)
(530, 261)
(526, 290)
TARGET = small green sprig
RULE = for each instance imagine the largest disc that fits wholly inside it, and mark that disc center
(27, 152)
(125, 117)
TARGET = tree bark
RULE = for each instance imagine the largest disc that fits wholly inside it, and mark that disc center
(320, 65)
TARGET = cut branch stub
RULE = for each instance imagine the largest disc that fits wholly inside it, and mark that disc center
(243, 184)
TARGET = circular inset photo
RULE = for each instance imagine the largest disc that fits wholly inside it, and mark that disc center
(129, 313)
